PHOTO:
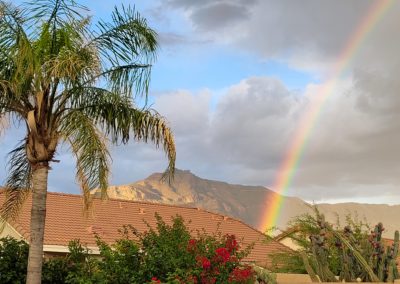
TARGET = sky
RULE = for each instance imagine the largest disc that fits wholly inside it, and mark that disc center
(234, 78)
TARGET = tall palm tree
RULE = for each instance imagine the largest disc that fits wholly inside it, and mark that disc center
(72, 82)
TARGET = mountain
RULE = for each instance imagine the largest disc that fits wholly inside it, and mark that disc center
(246, 203)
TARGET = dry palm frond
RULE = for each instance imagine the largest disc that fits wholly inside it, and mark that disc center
(18, 184)
(90, 150)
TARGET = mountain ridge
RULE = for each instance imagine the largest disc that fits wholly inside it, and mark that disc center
(245, 202)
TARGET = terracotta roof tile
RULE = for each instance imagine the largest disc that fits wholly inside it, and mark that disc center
(66, 220)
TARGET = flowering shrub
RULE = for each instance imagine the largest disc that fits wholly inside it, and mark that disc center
(154, 280)
(217, 260)
(165, 254)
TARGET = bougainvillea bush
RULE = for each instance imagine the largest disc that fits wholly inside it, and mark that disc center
(215, 259)
(164, 254)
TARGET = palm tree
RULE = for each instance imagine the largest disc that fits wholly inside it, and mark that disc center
(71, 82)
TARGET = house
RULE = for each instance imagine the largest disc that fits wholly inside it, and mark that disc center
(66, 220)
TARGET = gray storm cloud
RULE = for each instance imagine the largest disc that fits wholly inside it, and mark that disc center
(351, 152)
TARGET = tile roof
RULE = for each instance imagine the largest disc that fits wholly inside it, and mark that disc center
(66, 220)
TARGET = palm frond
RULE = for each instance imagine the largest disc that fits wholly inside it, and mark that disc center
(18, 183)
(149, 125)
(13, 38)
(128, 79)
(4, 123)
(120, 118)
(126, 37)
(126, 41)
(55, 12)
(90, 150)
(77, 64)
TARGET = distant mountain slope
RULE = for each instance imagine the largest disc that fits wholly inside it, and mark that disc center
(246, 203)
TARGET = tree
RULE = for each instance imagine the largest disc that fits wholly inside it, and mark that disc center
(70, 81)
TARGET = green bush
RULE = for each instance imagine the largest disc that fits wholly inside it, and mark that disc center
(121, 262)
(55, 270)
(165, 249)
(13, 260)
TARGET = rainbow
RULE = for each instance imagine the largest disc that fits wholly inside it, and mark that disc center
(308, 122)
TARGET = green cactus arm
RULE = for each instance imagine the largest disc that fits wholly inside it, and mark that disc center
(310, 271)
(360, 259)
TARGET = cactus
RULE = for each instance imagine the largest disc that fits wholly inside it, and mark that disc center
(384, 261)
(392, 255)
(309, 269)
(320, 253)
(355, 256)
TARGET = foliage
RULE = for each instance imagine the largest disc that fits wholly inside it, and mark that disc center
(351, 252)
(263, 276)
(215, 259)
(284, 262)
(121, 262)
(69, 81)
(73, 81)
(78, 266)
(13, 261)
(167, 253)
(55, 270)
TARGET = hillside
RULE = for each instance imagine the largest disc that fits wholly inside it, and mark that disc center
(244, 202)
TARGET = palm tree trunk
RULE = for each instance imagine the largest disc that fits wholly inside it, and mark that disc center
(38, 216)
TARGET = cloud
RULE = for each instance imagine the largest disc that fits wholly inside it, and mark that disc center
(308, 35)
(353, 148)
(351, 152)
(218, 14)
(242, 135)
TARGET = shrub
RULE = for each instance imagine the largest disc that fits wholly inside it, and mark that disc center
(13, 260)
(121, 262)
(215, 259)
(76, 267)
(164, 254)
(165, 249)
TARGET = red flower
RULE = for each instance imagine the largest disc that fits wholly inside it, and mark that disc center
(241, 274)
(208, 280)
(231, 243)
(191, 245)
(205, 263)
(155, 280)
(222, 254)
